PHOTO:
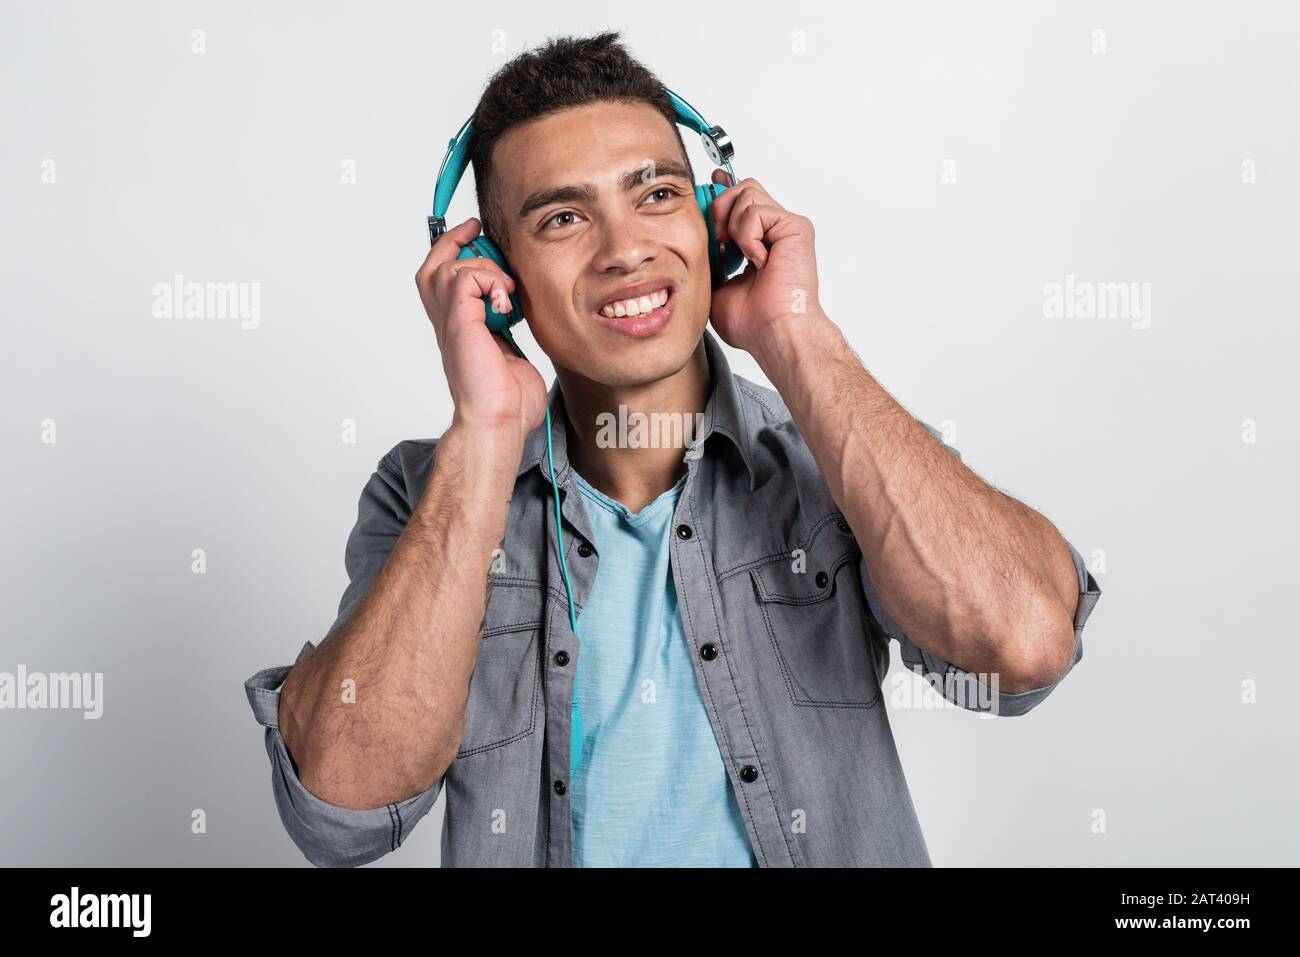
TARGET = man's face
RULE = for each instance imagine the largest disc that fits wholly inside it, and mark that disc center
(598, 199)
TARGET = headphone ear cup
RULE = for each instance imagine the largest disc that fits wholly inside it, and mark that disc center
(484, 247)
(724, 258)
(732, 260)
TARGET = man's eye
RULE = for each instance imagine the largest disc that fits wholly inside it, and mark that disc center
(665, 189)
(567, 212)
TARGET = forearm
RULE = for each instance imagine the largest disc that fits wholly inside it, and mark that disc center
(409, 647)
(969, 574)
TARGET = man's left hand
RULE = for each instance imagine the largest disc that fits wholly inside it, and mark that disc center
(778, 286)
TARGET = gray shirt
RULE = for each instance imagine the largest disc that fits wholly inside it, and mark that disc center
(791, 650)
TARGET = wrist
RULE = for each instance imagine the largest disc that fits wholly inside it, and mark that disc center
(465, 502)
(477, 448)
(780, 349)
(479, 465)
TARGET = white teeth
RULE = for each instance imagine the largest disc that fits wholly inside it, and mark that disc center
(635, 307)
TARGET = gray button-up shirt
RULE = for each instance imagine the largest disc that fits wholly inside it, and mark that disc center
(791, 650)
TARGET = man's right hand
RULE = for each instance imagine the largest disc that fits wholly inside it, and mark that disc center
(492, 388)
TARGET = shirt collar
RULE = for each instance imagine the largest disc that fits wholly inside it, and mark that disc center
(724, 414)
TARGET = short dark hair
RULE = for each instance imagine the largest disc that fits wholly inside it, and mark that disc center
(564, 73)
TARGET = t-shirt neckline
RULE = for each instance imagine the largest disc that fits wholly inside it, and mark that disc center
(593, 494)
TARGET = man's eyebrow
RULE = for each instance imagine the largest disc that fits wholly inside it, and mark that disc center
(586, 192)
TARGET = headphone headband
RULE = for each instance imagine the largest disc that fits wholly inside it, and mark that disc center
(455, 161)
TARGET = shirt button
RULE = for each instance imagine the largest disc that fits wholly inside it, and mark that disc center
(559, 787)
(844, 526)
(748, 774)
(822, 579)
(561, 658)
(683, 532)
(709, 652)
(584, 550)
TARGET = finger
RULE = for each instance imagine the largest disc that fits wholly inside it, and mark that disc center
(444, 299)
(721, 176)
(737, 200)
(719, 209)
(750, 227)
(446, 274)
(444, 290)
(472, 285)
(744, 193)
(447, 248)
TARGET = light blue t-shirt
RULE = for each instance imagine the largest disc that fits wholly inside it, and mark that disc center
(647, 783)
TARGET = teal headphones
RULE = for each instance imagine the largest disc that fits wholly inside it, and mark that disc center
(725, 259)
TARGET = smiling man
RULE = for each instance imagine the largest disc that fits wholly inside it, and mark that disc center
(719, 702)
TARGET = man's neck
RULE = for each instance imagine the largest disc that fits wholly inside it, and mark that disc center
(634, 477)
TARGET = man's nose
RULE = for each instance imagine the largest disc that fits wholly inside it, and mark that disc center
(623, 244)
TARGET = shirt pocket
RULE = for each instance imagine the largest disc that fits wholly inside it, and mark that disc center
(503, 688)
(817, 621)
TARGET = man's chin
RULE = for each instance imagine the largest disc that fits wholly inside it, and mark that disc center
(639, 362)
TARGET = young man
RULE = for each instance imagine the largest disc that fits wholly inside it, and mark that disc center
(720, 703)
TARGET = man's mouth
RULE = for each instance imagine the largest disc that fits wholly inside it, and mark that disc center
(643, 313)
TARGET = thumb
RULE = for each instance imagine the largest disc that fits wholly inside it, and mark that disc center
(464, 232)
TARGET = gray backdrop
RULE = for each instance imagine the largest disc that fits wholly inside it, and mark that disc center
(956, 161)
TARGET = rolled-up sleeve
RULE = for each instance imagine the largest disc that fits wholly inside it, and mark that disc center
(328, 835)
(962, 688)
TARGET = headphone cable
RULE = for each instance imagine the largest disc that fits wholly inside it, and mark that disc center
(550, 462)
